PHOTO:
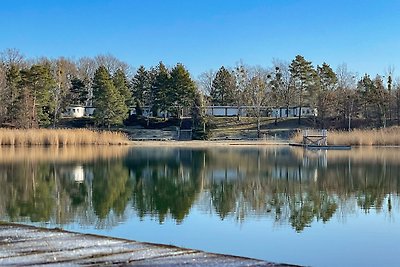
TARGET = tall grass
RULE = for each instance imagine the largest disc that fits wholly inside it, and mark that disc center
(376, 137)
(60, 137)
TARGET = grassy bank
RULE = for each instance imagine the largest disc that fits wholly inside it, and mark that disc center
(380, 137)
(60, 137)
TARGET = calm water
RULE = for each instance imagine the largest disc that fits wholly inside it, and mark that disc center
(318, 208)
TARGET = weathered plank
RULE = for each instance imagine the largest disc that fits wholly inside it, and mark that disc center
(27, 245)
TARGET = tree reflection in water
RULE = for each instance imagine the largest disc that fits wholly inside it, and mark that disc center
(290, 186)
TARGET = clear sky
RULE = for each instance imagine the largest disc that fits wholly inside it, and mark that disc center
(205, 34)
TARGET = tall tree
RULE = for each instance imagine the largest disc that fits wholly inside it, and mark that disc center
(111, 63)
(346, 95)
(38, 82)
(110, 106)
(374, 99)
(63, 71)
(12, 92)
(160, 89)
(303, 77)
(78, 93)
(258, 92)
(223, 90)
(326, 100)
(283, 91)
(141, 89)
(86, 69)
(183, 90)
(205, 82)
(121, 83)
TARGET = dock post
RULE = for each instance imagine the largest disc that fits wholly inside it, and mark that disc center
(325, 137)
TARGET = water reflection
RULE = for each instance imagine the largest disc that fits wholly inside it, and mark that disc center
(101, 186)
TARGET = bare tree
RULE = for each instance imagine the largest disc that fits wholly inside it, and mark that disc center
(346, 95)
(12, 56)
(86, 69)
(111, 63)
(284, 93)
(63, 71)
(205, 81)
(258, 92)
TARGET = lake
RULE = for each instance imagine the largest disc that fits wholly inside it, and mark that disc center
(281, 204)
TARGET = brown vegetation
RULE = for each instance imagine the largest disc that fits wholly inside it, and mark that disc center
(60, 137)
(375, 137)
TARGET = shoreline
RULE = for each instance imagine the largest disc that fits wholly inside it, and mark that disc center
(207, 143)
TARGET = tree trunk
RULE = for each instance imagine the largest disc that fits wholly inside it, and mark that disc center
(299, 114)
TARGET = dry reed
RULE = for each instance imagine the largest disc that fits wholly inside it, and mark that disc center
(60, 137)
(375, 137)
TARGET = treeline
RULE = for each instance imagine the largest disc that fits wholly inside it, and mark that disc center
(34, 93)
(339, 96)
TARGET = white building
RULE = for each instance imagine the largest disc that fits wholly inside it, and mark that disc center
(74, 111)
(231, 111)
(283, 112)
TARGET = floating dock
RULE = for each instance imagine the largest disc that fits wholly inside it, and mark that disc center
(27, 245)
(325, 147)
(315, 139)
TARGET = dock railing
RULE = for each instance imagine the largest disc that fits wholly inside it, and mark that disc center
(315, 137)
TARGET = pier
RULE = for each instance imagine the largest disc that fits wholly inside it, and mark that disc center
(28, 245)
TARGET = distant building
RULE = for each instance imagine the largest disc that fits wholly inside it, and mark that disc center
(283, 112)
(231, 111)
(74, 111)
(78, 111)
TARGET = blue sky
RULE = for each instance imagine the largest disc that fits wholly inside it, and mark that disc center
(206, 34)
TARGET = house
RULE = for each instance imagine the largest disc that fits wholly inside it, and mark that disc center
(78, 111)
(74, 111)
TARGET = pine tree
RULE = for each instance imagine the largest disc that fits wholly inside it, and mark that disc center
(122, 85)
(183, 89)
(160, 89)
(304, 78)
(39, 83)
(13, 80)
(141, 89)
(326, 100)
(223, 88)
(78, 92)
(110, 105)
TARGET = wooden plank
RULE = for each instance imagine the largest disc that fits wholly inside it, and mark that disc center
(27, 245)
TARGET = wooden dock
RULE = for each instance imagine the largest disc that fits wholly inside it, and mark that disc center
(27, 245)
(315, 139)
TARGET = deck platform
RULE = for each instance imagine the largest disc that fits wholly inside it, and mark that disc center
(322, 147)
(27, 245)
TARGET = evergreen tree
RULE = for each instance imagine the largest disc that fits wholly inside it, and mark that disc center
(78, 92)
(326, 100)
(110, 105)
(13, 80)
(160, 89)
(223, 90)
(39, 83)
(141, 89)
(121, 83)
(303, 77)
(183, 89)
